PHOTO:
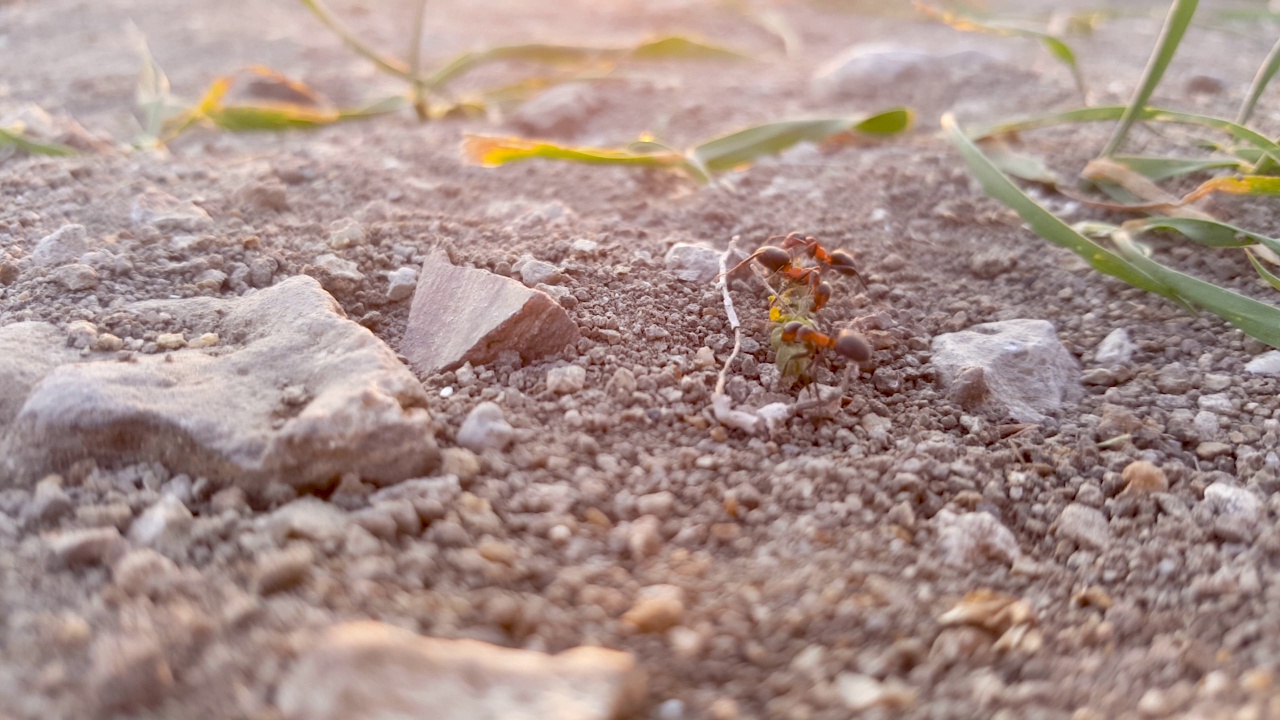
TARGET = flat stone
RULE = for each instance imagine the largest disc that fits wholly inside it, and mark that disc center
(1235, 512)
(75, 276)
(222, 416)
(62, 246)
(462, 315)
(374, 671)
(1016, 368)
(167, 213)
(870, 68)
(967, 539)
(1268, 364)
(560, 111)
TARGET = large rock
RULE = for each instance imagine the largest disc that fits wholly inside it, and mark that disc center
(462, 315)
(296, 393)
(372, 671)
(873, 68)
(1016, 368)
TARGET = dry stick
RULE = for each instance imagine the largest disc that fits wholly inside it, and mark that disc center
(733, 320)
(415, 62)
(395, 67)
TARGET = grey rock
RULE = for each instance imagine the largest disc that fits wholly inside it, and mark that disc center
(167, 213)
(49, 502)
(1084, 525)
(220, 416)
(560, 111)
(75, 277)
(1268, 364)
(485, 429)
(1173, 379)
(336, 274)
(144, 572)
(693, 263)
(372, 671)
(462, 315)
(1219, 403)
(283, 569)
(344, 233)
(62, 246)
(165, 525)
(129, 671)
(538, 272)
(1017, 368)
(1235, 512)
(401, 283)
(1116, 348)
(81, 334)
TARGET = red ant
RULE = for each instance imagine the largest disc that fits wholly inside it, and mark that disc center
(780, 260)
(846, 343)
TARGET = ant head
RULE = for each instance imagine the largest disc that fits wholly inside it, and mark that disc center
(851, 345)
(773, 258)
(791, 330)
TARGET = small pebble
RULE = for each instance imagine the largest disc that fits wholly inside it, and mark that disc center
(485, 428)
(566, 380)
(170, 341)
(1144, 477)
(658, 609)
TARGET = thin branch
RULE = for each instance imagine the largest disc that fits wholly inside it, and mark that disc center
(391, 65)
(415, 62)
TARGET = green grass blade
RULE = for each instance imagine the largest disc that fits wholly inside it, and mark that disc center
(1157, 168)
(1045, 223)
(152, 93)
(1209, 233)
(1272, 279)
(1175, 26)
(15, 136)
(1115, 112)
(1260, 81)
(744, 146)
(1255, 318)
(390, 65)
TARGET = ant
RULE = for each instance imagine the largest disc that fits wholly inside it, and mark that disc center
(846, 343)
(780, 260)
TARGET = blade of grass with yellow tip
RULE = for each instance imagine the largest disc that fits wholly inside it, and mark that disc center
(490, 151)
(15, 136)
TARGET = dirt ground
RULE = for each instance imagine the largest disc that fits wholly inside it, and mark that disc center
(815, 555)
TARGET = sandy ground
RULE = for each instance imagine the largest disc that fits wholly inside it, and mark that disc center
(814, 562)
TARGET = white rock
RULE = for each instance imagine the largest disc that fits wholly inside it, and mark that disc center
(401, 283)
(485, 429)
(1268, 364)
(566, 380)
(1016, 367)
(164, 525)
(693, 263)
(62, 246)
(372, 671)
(1236, 513)
(537, 272)
(966, 539)
(345, 232)
(170, 341)
(81, 333)
(1116, 348)
(1216, 403)
(307, 518)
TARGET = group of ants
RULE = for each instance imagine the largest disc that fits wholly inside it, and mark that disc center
(799, 261)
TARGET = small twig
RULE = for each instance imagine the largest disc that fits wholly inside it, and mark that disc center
(415, 62)
(733, 322)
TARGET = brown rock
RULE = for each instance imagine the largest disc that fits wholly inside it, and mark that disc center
(129, 672)
(462, 315)
(1144, 477)
(372, 671)
(659, 608)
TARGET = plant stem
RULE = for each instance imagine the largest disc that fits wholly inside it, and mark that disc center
(420, 105)
(1265, 72)
(1175, 25)
(391, 65)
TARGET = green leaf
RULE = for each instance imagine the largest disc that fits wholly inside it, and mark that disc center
(676, 47)
(1260, 81)
(1115, 112)
(1021, 165)
(16, 136)
(1255, 318)
(1175, 26)
(1209, 233)
(1161, 168)
(1044, 223)
(744, 146)
(1272, 279)
(1236, 185)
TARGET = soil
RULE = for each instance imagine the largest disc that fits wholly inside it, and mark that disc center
(806, 556)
